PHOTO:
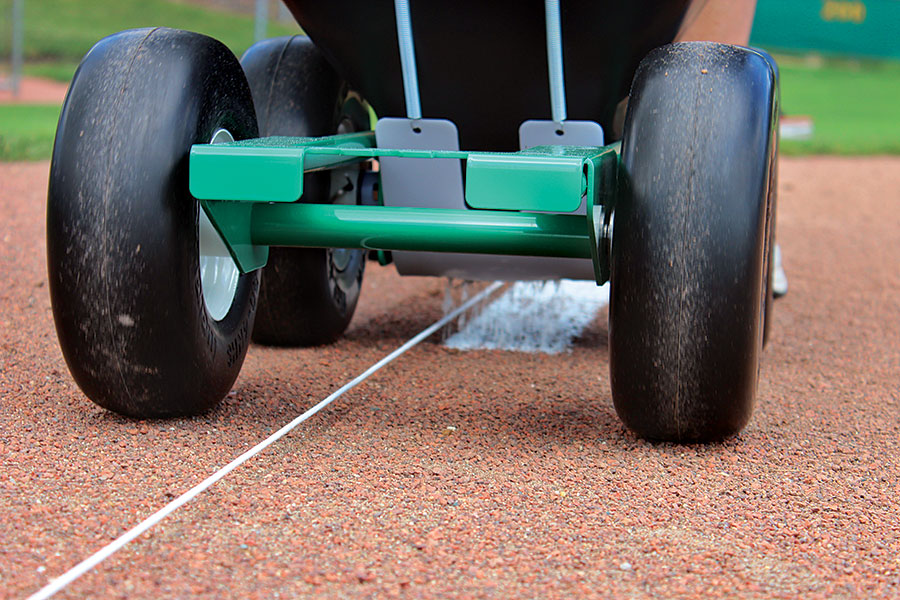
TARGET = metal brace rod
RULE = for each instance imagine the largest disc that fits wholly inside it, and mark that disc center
(555, 60)
(407, 59)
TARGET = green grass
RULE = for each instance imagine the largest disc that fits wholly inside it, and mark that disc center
(855, 106)
(26, 131)
(59, 32)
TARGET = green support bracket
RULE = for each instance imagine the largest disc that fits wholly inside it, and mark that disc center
(548, 178)
(602, 172)
(249, 190)
(232, 221)
(267, 169)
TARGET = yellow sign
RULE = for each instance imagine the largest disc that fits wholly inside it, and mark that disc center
(843, 11)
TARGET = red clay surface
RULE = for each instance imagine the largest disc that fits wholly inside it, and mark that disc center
(33, 90)
(538, 492)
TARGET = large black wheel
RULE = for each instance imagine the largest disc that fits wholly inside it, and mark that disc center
(769, 295)
(689, 242)
(307, 295)
(152, 315)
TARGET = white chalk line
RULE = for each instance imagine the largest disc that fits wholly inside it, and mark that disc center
(89, 563)
(534, 316)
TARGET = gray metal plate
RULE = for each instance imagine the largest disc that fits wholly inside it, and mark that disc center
(426, 182)
(551, 133)
(438, 183)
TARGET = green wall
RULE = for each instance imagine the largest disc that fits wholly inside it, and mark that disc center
(846, 27)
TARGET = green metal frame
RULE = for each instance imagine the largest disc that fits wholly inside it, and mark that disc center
(521, 202)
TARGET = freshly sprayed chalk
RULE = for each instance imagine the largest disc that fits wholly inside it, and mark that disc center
(533, 316)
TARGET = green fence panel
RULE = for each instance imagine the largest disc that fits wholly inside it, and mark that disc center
(845, 27)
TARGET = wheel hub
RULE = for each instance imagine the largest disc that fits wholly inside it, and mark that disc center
(218, 273)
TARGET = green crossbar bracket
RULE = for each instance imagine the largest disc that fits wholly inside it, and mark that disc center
(545, 178)
(267, 169)
(249, 190)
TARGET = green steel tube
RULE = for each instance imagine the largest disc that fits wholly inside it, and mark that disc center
(424, 229)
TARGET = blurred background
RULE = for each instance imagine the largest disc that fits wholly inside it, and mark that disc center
(839, 60)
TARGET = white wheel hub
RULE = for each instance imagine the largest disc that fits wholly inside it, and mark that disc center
(218, 273)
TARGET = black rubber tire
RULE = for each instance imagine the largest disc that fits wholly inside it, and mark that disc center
(306, 297)
(773, 205)
(122, 228)
(688, 250)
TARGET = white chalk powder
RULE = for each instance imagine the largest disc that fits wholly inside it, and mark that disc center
(533, 316)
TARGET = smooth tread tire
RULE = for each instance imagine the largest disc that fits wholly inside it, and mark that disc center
(123, 241)
(307, 295)
(769, 294)
(689, 242)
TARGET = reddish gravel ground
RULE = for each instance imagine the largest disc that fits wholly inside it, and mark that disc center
(34, 90)
(538, 492)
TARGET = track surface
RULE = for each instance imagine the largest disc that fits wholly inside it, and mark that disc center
(538, 492)
(34, 90)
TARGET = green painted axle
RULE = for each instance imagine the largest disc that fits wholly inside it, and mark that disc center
(424, 229)
(524, 202)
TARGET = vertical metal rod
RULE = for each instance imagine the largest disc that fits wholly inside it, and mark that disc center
(555, 60)
(260, 23)
(284, 13)
(407, 59)
(18, 35)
